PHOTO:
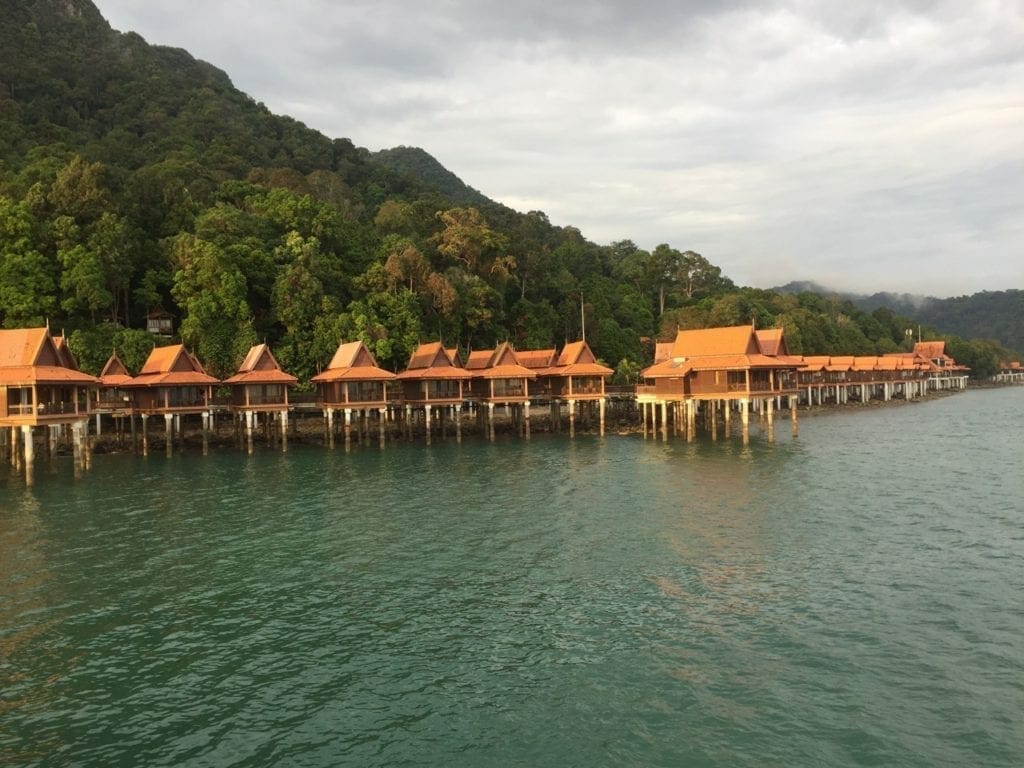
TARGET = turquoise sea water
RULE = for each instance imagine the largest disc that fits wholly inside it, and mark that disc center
(851, 597)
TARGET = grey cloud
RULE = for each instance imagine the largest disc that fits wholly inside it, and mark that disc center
(875, 143)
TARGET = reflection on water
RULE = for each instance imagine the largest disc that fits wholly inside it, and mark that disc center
(845, 598)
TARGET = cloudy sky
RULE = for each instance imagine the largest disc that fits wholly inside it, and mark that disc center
(864, 145)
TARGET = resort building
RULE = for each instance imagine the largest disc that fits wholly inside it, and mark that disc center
(716, 369)
(576, 380)
(433, 380)
(500, 379)
(40, 386)
(260, 388)
(354, 384)
(113, 398)
(1010, 372)
(172, 383)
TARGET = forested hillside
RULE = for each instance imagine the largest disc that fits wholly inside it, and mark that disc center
(135, 178)
(419, 164)
(996, 315)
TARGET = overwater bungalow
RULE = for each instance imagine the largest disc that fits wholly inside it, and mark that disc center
(113, 398)
(354, 384)
(172, 383)
(1010, 372)
(717, 367)
(947, 373)
(40, 387)
(260, 388)
(576, 379)
(500, 379)
(433, 380)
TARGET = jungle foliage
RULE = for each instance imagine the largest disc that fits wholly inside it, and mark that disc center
(135, 178)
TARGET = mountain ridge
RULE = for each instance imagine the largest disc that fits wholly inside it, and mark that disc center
(996, 315)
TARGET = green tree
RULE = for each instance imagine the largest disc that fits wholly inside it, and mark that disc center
(28, 290)
(79, 191)
(213, 294)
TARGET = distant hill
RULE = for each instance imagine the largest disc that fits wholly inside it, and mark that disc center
(422, 166)
(996, 315)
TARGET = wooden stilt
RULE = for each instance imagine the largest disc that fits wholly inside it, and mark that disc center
(27, 438)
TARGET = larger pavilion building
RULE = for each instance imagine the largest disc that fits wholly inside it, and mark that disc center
(717, 368)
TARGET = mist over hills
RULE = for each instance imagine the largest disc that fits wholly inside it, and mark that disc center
(996, 315)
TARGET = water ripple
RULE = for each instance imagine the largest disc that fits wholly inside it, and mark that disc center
(848, 598)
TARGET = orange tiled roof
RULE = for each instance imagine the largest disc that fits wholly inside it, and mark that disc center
(114, 373)
(733, 340)
(930, 349)
(431, 361)
(735, 362)
(675, 367)
(439, 373)
(161, 359)
(814, 363)
(499, 363)
(43, 374)
(353, 361)
(579, 369)
(20, 346)
(172, 366)
(260, 367)
(426, 355)
(731, 348)
(478, 359)
(507, 371)
(30, 356)
(572, 352)
(771, 341)
(792, 361)
(840, 363)
(272, 376)
(663, 350)
(536, 358)
(64, 352)
(577, 359)
(256, 353)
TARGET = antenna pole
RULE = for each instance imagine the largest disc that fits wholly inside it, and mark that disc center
(583, 318)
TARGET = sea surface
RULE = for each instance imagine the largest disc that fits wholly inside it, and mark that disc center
(850, 597)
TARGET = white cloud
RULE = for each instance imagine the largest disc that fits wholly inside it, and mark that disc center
(872, 146)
